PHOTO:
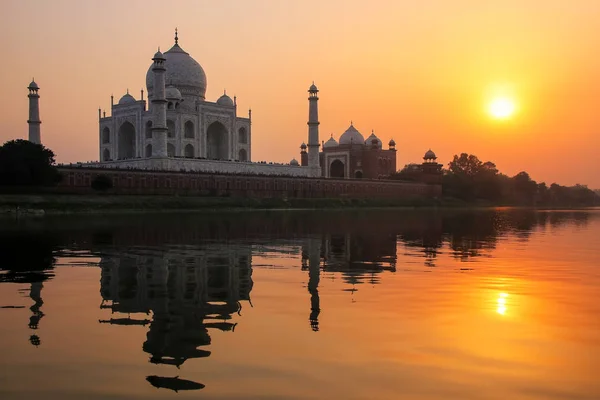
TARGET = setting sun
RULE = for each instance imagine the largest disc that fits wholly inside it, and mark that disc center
(501, 108)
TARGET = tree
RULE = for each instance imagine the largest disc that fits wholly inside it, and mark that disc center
(102, 183)
(23, 163)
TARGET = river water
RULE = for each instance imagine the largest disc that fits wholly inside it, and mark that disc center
(497, 304)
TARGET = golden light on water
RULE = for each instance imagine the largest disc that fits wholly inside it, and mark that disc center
(501, 307)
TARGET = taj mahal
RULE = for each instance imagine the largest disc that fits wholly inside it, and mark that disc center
(178, 129)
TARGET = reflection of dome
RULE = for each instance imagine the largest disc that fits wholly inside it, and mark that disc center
(330, 143)
(127, 99)
(352, 136)
(225, 101)
(294, 162)
(370, 139)
(182, 71)
(430, 155)
(303, 146)
(171, 93)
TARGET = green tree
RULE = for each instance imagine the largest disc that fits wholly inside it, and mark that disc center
(23, 163)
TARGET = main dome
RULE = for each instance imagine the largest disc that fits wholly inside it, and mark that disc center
(352, 136)
(183, 72)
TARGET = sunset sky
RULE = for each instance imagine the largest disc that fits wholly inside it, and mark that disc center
(423, 73)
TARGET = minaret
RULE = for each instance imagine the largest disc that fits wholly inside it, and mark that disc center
(159, 107)
(313, 130)
(34, 113)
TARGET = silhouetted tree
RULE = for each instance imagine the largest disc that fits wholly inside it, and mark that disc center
(23, 163)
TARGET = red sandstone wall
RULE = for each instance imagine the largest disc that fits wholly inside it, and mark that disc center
(78, 180)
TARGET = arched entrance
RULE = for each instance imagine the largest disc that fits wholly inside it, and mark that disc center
(217, 142)
(243, 155)
(336, 169)
(149, 130)
(170, 129)
(149, 151)
(105, 136)
(106, 155)
(170, 150)
(189, 130)
(126, 141)
(358, 174)
(188, 152)
(242, 135)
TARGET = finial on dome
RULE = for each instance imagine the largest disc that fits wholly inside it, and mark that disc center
(176, 37)
(127, 90)
(224, 92)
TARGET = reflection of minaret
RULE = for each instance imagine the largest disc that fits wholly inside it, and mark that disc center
(312, 254)
(35, 293)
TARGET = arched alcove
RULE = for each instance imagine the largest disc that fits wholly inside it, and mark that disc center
(105, 135)
(149, 150)
(170, 150)
(126, 141)
(106, 155)
(243, 155)
(170, 129)
(189, 130)
(188, 151)
(217, 142)
(242, 135)
(358, 174)
(149, 130)
(336, 169)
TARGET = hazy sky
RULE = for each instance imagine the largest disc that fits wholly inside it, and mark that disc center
(419, 72)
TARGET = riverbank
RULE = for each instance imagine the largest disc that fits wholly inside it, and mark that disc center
(44, 204)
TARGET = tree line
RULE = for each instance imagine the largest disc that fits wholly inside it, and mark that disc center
(471, 180)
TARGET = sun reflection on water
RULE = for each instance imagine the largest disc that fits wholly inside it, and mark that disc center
(501, 308)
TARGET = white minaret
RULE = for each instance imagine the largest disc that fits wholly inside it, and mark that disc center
(159, 107)
(34, 113)
(313, 130)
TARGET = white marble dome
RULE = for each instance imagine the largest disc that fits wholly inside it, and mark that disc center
(172, 93)
(127, 99)
(352, 136)
(33, 85)
(294, 162)
(330, 143)
(182, 71)
(225, 101)
(430, 155)
(369, 140)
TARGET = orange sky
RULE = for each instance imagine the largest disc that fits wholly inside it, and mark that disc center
(418, 72)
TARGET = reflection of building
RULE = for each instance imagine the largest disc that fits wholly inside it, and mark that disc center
(187, 291)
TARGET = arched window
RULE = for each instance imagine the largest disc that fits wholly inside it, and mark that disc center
(105, 135)
(188, 151)
(243, 135)
(170, 129)
(358, 174)
(126, 141)
(106, 155)
(149, 151)
(170, 106)
(149, 130)
(336, 169)
(170, 150)
(217, 142)
(189, 130)
(243, 155)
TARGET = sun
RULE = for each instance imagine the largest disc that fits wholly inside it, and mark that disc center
(502, 108)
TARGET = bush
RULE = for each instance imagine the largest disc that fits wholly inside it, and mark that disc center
(102, 183)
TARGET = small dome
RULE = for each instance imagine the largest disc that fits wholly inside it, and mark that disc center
(158, 55)
(225, 100)
(352, 136)
(33, 85)
(330, 143)
(172, 93)
(392, 143)
(371, 138)
(430, 155)
(127, 99)
(294, 162)
(303, 146)
(313, 88)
